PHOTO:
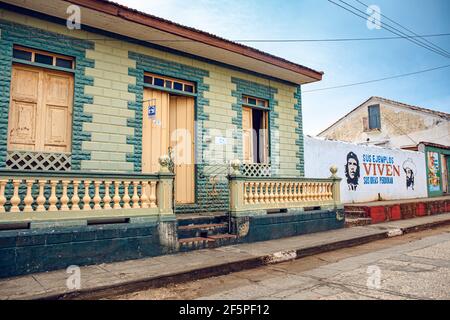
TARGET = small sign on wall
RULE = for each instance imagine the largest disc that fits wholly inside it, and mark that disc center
(220, 140)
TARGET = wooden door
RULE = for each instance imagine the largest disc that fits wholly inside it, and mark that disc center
(247, 135)
(181, 127)
(172, 125)
(40, 114)
(155, 133)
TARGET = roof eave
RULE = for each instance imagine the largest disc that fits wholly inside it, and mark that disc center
(135, 16)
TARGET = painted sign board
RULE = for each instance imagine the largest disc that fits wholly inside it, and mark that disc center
(368, 172)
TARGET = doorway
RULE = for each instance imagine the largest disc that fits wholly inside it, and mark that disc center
(170, 123)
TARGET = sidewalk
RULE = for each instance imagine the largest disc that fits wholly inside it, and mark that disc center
(123, 277)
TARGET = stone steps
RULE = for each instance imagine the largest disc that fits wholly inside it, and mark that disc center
(200, 231)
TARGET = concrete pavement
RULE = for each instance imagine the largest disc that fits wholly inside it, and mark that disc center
(122, 277)
(419, 269)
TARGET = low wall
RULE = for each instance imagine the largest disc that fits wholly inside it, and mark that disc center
(373, 172)
(39, 250)
(280, 225)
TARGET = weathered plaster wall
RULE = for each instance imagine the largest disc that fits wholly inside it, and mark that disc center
(320, 155)
(401, 126)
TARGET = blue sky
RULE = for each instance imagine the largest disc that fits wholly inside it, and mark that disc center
(344, 62)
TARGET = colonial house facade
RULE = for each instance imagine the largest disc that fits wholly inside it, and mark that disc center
(110, 129)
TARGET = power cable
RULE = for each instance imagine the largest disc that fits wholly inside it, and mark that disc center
(377, 80)
(388, 28)
(405, 28)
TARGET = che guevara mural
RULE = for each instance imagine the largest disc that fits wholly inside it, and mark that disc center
(369, 173)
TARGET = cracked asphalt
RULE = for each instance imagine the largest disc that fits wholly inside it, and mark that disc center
(413, 266)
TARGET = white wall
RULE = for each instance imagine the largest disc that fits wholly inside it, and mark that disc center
(390, 184)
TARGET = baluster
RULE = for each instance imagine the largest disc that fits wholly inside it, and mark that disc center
(152, 194)
(251, 196)
(330, 191)
(135, 197)
(40, 200)
(64, 198)
(283, 191)
(272, 192)
(324, 191)
(286, 192)
(266, 192)
(75, 198)
(276, 192)
(126, 197)
(295, 192)
(306, 191)
(144, 198)
(28, 200)
(107, 197)
(2, 195)
(53, 199)
(300, 192)
(15, 199)
(97, 198)
(290, 192)
(261, 192)
(116, 198)
(245, 192)
(315, 191)
(87, 197)
(258, 190)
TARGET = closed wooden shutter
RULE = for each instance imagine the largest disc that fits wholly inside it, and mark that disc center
(247, 135)
(40, 114)
(57, 102)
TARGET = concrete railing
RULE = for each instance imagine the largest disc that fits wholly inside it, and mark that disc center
(31, 196)
(267, 193)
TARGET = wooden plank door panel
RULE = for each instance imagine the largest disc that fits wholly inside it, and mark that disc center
(155, 131)
(182, 142)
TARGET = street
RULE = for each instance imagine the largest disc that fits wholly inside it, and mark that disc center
(413, 266)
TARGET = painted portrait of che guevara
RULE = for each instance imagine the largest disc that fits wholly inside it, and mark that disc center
(352, 172)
